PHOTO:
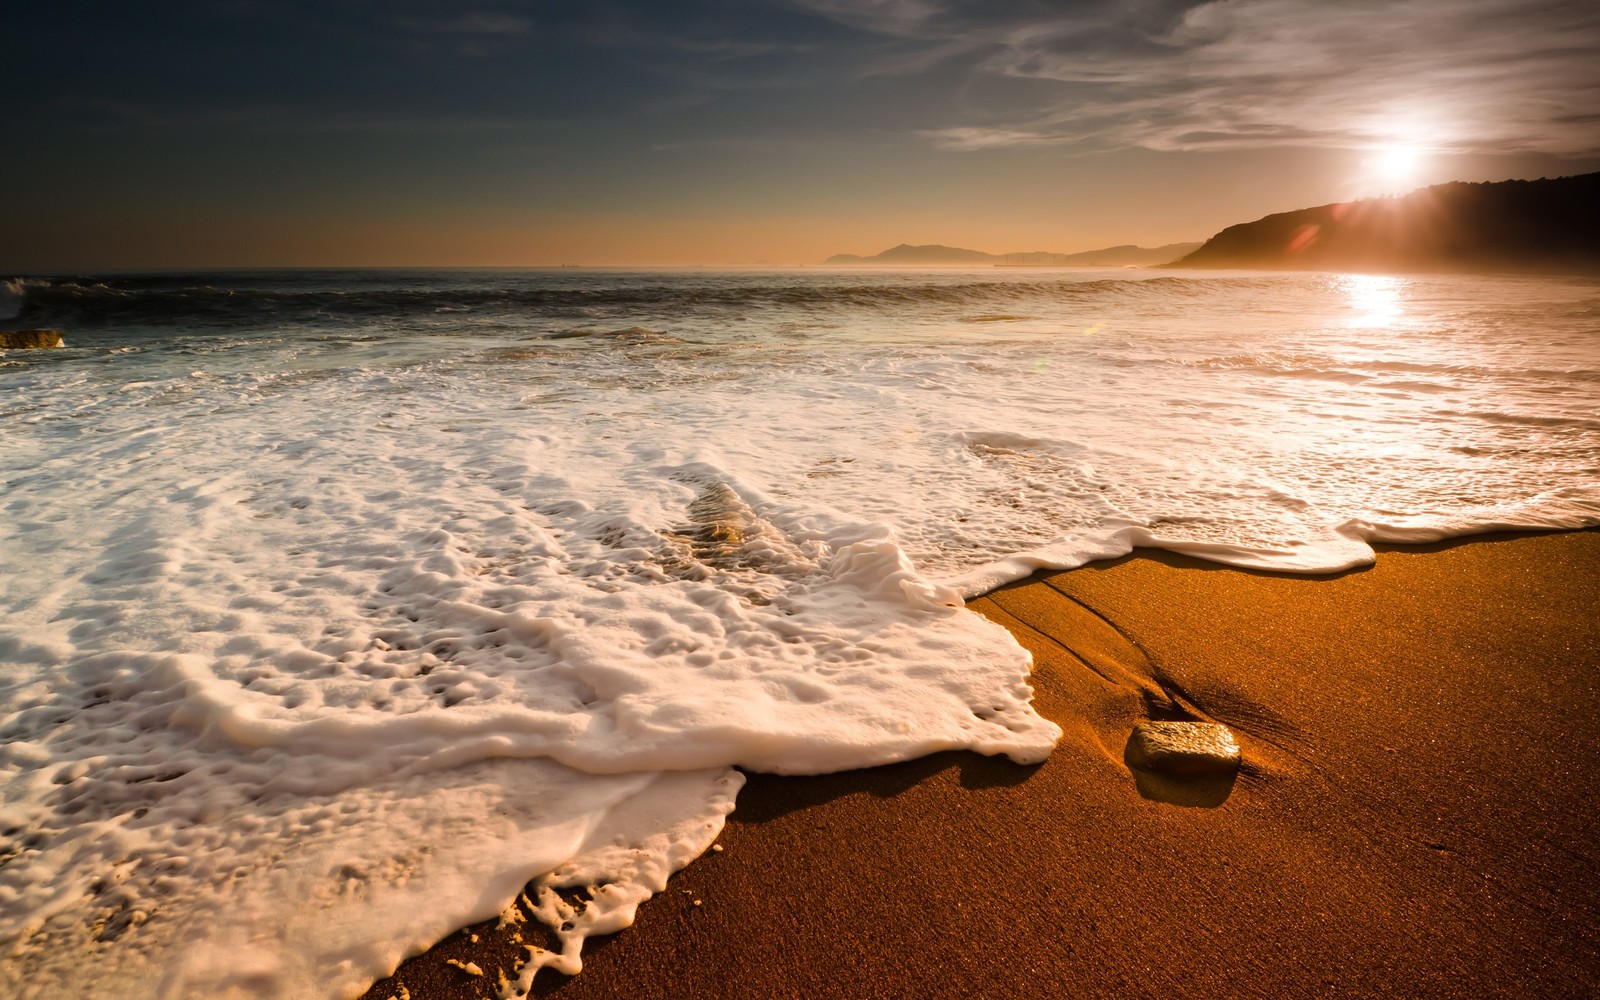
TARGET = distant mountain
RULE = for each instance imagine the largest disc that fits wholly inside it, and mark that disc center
(1542, 226)
(906, 255)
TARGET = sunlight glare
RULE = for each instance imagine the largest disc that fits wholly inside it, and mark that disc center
(1374, 299)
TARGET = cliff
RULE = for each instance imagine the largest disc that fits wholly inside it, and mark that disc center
(1542, 226)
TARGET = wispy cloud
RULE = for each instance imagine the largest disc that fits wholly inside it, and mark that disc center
(901, 18)
(475, 34)
(1458, 75)
(472, 23)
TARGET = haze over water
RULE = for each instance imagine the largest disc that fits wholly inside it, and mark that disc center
(337, 605)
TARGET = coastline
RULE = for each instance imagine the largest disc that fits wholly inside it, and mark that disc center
(1414, 816)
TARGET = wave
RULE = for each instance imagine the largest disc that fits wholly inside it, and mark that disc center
(1335, 549)
(14, 293)
(230, 300)
(1303, 364)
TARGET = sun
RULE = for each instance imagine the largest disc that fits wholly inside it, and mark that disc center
(1395, 167)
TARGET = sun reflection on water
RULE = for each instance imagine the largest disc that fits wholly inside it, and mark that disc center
(1375, 299)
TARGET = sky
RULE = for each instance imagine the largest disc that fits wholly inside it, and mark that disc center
(226, 133)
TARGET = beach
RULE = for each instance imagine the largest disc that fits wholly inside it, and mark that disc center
(565, 557)
(1414, 816)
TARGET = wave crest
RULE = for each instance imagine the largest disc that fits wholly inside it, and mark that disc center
(285, 297)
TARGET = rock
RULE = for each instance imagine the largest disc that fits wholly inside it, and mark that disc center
(20, 339)
(1183, 748)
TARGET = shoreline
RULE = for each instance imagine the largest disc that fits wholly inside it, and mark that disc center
(1414, 815)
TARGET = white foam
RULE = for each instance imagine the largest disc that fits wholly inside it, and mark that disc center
(413, 655)
(329, 646)
(1342, 547)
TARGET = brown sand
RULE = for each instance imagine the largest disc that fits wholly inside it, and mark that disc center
(1417, 814)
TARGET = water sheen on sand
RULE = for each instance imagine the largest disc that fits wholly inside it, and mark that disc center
(335, 606)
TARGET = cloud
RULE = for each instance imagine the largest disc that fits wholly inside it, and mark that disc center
(970, 137)
(1455, 75)
(476, 34)
(900, 18)
(473, 23)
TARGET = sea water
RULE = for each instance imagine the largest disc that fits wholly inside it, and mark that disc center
(337, 606)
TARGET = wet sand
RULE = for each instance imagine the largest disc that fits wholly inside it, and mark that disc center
(1417, 814)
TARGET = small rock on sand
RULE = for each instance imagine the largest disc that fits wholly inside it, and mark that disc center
(1183, 748)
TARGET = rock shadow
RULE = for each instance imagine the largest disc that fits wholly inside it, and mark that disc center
(1206, 791)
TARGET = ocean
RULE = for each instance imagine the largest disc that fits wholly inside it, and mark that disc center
(336, 606)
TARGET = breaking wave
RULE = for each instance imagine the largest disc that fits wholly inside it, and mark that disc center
(245, 300)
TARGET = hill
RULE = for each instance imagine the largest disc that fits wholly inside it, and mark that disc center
(1542, 226)
(930, 255)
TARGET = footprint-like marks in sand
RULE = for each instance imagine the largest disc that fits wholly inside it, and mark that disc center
(1121, 685)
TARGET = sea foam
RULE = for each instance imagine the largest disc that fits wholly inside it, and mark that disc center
(385, 670)
(325, 634)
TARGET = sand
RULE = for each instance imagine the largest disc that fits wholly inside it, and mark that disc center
(1417, 813)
